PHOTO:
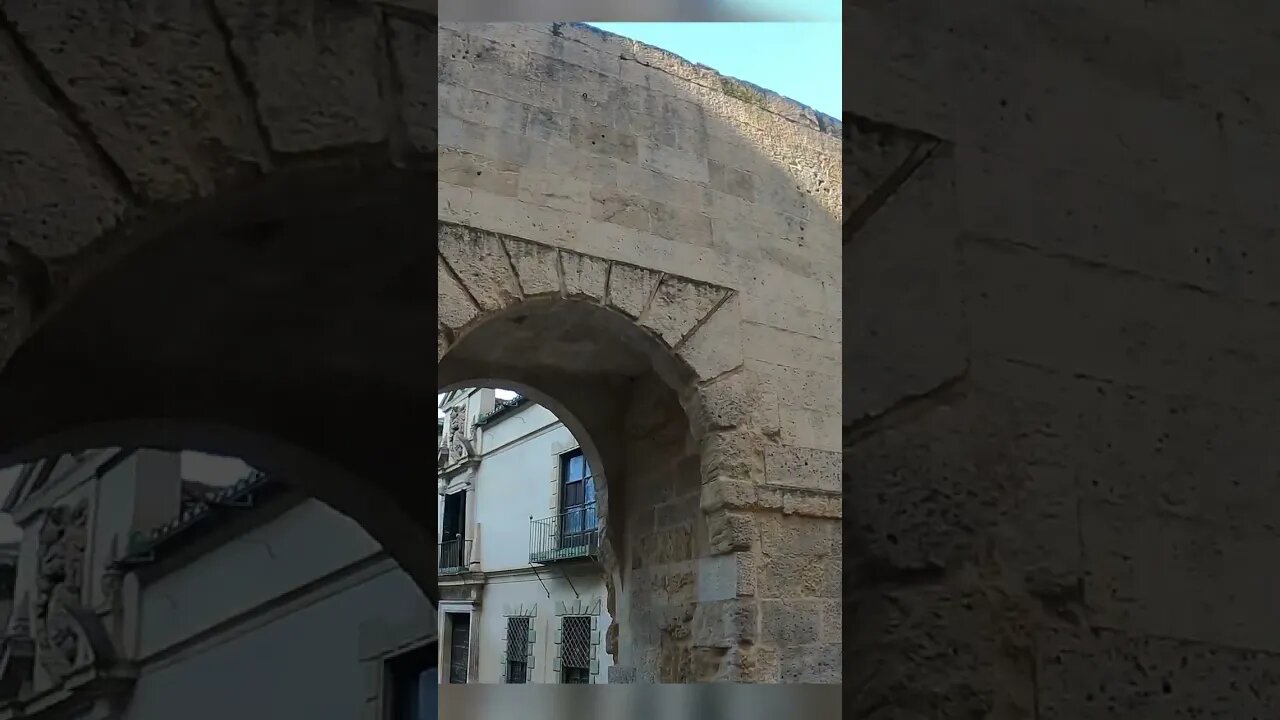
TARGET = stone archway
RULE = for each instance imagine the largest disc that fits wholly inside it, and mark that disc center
(197, 236)
(649, 365)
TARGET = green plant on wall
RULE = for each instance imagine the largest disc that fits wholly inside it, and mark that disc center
(735, 89)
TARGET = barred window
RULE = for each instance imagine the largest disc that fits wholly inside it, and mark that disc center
(575, 653)
(518, 650)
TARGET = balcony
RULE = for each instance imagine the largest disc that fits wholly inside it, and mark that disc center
(455, 555)
(572, 534)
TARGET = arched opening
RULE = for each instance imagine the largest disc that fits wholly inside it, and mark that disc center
(525, 594)
(611, 385)
(275, 325)
(141, 573)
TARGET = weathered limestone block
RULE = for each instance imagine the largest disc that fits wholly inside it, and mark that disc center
(680, 511)
(584, 276)
(727, 492)
(968, 472)
(558, 192)
(802, 467)
(1176, 577)
(806, 389)
(55, 197)
(717, 346)
(786, 623)
(725, 577)
(788, 535)
(1135, 229)
(730, 532)
(872, 153)
(726, 402)
(786, 576)
(157, 91)
(466, 169)
(537, 267)
(673, 163)
(731, 181)
(480, 260)
(621, 208)
(814, 664)
(681, 224)
(454, 308)
(678, 306)
(725, 623)
(1162, 337)
(803, 428)
(1110, 676)
(735, 454)
(944, 649)
(314, 71)
(416, 62)
(597, 139)
(480, 108)
(902, 277)
(631, 288)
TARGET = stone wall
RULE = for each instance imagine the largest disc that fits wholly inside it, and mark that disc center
(1061, 471)
(710, 209)
(662, 529)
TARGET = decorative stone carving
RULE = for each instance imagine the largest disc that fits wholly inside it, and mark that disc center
(59, 581)
(459, 441)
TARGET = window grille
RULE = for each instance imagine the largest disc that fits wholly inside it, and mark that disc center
(518, 650)
(575, 652)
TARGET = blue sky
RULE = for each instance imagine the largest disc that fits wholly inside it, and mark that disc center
(800, 60)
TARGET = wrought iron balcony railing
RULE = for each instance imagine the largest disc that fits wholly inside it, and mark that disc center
(454, 556)
(574, 533)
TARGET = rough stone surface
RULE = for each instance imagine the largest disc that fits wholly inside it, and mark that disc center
(1061, 362)
(157, 90)
(315, 73)
(152, 151)
(56, 198)
(702, 217)
(415, 58)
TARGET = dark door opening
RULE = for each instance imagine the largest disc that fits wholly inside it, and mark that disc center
(459, 646)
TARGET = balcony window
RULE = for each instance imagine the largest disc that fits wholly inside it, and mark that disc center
(453, 544)
(574, 532)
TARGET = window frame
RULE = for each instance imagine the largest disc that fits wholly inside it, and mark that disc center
(565, 668)
(448, 646)
(402, 672)
(523, 661)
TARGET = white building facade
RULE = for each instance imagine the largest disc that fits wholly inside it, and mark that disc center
(523, 599)
(139, 595)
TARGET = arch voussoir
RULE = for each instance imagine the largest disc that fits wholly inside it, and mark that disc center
(481, 263)
(537, 267)
(678, 306)
(455, 306)
(585, 276)
(715, 346)
(631, 289)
